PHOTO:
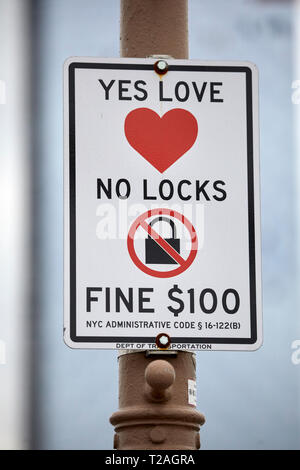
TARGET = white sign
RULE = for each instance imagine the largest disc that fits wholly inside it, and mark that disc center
(162, 214)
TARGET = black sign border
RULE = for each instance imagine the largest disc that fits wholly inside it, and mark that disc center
(72, 202)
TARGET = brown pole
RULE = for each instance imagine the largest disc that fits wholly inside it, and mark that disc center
(154, 407)
(153, 27)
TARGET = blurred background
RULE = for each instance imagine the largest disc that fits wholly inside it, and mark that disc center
(52, 397)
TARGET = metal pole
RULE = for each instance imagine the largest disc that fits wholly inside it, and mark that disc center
(154, 27)
(154, 407)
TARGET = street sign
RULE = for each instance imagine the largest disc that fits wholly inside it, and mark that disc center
(162, 212)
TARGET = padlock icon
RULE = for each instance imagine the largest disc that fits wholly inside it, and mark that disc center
(155, 254)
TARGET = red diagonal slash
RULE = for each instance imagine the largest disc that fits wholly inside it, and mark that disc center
(162, 243)
(141, 222)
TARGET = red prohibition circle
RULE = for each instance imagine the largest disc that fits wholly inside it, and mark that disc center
(153, 272)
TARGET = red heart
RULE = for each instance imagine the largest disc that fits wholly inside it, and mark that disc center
(161, 140)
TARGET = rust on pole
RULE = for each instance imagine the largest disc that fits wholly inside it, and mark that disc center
(154, 407)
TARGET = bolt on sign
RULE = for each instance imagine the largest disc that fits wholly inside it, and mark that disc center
(162, 212)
